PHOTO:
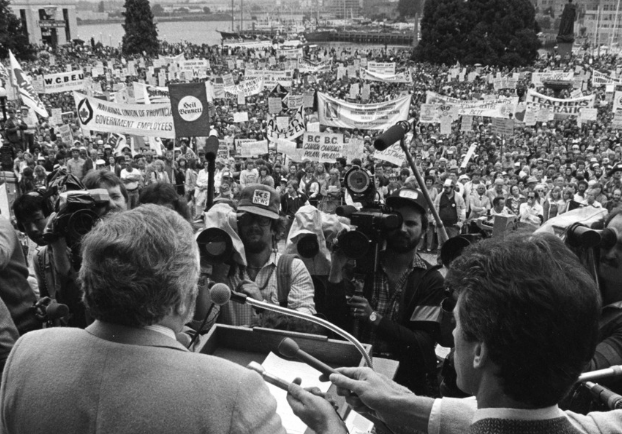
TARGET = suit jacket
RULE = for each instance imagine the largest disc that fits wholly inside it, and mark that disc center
(115, 379)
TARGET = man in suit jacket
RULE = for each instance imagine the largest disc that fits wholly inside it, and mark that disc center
(126, 373)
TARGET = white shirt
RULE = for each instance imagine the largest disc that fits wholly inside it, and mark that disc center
(133, 176)
(529, 214)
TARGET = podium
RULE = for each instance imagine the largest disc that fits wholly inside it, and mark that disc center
(243, 345)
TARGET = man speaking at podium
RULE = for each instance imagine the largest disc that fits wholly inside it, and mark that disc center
(126, 373)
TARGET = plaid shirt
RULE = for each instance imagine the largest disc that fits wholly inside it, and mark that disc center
(386, 300)
(300, 296)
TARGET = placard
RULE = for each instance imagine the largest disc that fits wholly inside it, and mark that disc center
(240, 117)
(322, 147)
(467, 124)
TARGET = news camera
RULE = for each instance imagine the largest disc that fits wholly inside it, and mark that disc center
(372, 222)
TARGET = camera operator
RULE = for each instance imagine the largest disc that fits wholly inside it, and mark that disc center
(259, 226)
(126, 372)
(509, 292)
(400, 308)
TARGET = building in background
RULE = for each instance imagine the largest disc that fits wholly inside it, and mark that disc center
(603, 22)
(47, 23)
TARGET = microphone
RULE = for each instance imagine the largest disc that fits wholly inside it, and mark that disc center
(56, 310)
(183, 339)
(392, 135)
(613, 400)
(612, 371)
(220, 294)
(268, 378)
(289, 348)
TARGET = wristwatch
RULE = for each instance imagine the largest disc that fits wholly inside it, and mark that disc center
(373, 317)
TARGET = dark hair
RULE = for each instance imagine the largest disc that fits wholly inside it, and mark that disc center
(26, 205)
(496, 200)
(528, 298)
(102, 179)
(165, 194)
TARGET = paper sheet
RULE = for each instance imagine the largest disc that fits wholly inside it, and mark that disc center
(358, 424)
(288, 371)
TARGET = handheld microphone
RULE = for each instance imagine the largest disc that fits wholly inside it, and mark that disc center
(289, 348)
(56, 310)
(613, 400)
(392, 135)
(268, 378)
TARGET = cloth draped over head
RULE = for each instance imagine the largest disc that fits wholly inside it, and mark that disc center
(223, 216)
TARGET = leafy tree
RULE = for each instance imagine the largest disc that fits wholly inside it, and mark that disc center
(408, 8)
(490, 32)
(206, 10)
(12, 35)
(141, 33)
(157, 10)
(100, 7)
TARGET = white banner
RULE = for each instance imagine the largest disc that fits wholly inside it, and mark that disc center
(322, 147)
(252, 149)
(387, 68)
(564, 107)
(498, 107)
(305, 67)
(617, 101)
(147, 94)
(153, 120)
(403, 77)
(247, 88)
(63, 82)
(394, 154)
(538, 78)
(334, 112)
(600, 79)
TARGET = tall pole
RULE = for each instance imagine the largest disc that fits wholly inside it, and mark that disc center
(232, 29)
(615, 27)
(598, 30)
(242, 15)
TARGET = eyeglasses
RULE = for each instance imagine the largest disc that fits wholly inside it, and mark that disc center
(248, 219)
(531, 197)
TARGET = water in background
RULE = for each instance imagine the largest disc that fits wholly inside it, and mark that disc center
(197, 32)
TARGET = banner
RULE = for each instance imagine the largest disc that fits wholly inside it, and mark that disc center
(253, 149)
(403, 77)
(247, 88)
(322, 147)
(337, 113)
(289, 53)
(600, 79)
(25, 89)
(563, 107)
(538, 78)
(394, 154)
(308, 67)
(63, 82)
(617, 101)
(189, 109)
(153, 120)
(155, 95)
(387, 68)
(295, 128)
(497, 107)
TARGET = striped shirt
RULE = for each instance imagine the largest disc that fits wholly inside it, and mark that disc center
(300, 296)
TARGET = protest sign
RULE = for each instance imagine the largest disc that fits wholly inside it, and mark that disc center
(338, 113)
(387, 68)
(247, 88)
(322, 147)
(65, 134)
(502, 127)
(307, 99)
(589, 114)
(354, 149)
(275, 105)
(393, 154)
(563, 107)
(295, 128)
(253, 148)
(153, 120)
(495, 107)
(56, 117)
(189, 109)
(240, 117)
(467, 123)
(468, 155)
(403, 77)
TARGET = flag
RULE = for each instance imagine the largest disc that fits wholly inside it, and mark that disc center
(24, 86)
(189, 109)
(4, 74)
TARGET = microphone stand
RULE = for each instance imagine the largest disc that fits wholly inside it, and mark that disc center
(289, 312)
(612, 371)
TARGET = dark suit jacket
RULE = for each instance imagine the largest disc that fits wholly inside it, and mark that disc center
(120, 380)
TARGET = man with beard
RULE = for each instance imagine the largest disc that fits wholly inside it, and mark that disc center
(400, 309)
(258, 226)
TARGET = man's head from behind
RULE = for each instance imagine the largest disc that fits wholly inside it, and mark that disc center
(139, 267)
(527, 319)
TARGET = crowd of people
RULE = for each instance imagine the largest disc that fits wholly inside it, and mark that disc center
(404, 308)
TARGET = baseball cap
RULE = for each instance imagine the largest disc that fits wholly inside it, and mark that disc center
(407, 195)
(261, 200)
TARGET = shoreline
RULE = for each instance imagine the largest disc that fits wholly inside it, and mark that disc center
(184, 18)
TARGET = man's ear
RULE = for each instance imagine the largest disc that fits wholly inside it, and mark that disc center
(480, 355)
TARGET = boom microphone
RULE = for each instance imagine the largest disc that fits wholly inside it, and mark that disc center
(392, 135)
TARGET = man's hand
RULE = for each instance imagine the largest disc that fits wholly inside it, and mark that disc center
(359, 307)
(316, 412)
(374, 394)
(251, 289)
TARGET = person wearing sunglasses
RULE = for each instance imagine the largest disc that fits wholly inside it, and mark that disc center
(531, 211)
(259, 226)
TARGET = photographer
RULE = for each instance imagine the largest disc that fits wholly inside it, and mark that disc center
(399, 311)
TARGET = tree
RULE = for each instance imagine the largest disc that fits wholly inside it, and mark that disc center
(141, 33)
(157, 10)
(100, 7)
(490, 32)
(206, 10)
(12, 35)
(408, 8)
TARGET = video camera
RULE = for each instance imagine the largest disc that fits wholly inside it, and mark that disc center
(372, 222)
